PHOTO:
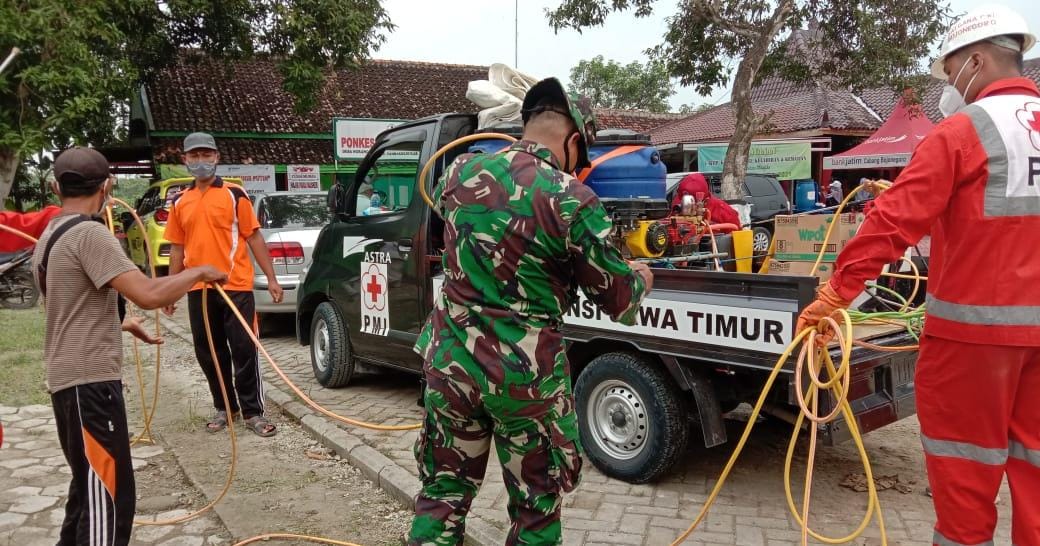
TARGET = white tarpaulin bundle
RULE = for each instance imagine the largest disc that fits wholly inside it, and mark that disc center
(501, 96)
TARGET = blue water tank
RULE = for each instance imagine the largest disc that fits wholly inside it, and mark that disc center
(491, 146)
(805, 195)
(631, 184)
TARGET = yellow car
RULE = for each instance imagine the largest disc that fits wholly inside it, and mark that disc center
(153, 208)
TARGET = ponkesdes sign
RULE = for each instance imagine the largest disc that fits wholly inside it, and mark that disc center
(354, 136)
(786, 160)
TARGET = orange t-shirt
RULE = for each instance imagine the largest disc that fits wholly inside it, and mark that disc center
(212, 226)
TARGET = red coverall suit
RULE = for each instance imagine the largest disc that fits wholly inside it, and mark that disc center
(974, 182)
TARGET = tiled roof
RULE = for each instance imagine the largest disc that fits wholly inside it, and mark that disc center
(799, 112)
(638, 121)
(247, 96)
(797, 108)
(883, 101)
(775, 87)
(259, 151)
(199, 94)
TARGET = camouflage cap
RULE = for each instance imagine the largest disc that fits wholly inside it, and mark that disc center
(550, 91)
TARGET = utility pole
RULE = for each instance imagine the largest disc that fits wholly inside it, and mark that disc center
(516, 34)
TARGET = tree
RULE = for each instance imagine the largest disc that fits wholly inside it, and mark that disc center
(847, 44)
(690, 109)
(31, 190)
(82, 61)
(634, 86)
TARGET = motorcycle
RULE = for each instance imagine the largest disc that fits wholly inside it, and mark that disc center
(17, 285)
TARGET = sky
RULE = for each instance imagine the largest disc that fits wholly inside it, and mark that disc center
(482, 32)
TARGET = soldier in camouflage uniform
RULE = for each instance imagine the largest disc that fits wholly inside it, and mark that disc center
(521, 235)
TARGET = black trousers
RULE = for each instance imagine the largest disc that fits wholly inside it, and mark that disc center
(237, 355)
(91, 423)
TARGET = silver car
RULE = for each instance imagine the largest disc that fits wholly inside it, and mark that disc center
(290, 222)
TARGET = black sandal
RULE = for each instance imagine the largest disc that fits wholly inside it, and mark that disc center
(261, 426)
(219, 421)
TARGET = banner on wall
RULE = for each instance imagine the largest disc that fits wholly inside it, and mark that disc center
(786, 160)
(303, 177)
(255, 178)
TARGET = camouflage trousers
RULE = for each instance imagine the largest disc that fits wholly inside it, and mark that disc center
(532, 421)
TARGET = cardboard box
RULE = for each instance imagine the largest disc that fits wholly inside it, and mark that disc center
(800, 238)
(802, 269)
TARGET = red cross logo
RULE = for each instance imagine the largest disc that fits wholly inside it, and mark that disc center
(374, 284)
(373, 287)
(1029, 117)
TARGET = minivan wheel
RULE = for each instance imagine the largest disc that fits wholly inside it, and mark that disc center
(331, 357)
(760, 239)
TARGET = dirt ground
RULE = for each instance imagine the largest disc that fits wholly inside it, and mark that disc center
(287, 483)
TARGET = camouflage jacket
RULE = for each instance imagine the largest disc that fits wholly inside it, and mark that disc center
(520, 237)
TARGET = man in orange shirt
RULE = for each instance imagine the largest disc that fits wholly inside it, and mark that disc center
(212, 222)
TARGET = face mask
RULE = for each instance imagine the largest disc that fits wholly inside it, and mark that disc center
(952, 101)
(202, 169)
(106, 199)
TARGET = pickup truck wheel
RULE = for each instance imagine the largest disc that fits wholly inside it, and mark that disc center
(630, 416)
(331, 357)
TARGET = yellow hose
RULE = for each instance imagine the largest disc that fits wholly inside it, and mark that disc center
(230, 425)
(837, 212)
(18, 232)
(837, 384)
(145, 436)
(808, 402)
(444, 149)
(306, 399)
(290, 536)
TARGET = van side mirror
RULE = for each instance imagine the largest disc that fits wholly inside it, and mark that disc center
(336, 199)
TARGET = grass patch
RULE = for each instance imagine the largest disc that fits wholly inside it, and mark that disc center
(21, 357)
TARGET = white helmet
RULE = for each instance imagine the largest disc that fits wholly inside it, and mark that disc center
(982, 23)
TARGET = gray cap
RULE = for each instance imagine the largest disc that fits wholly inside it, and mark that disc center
(81, 165)
(195, 141)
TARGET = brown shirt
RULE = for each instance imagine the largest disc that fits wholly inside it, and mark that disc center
(83, 342)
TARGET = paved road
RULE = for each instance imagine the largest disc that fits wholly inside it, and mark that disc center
(34, 483)
(751, 510)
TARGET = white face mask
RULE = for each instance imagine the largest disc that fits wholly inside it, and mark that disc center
(107, 197)
(952, 101)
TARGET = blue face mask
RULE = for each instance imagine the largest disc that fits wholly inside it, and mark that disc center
(202, 169)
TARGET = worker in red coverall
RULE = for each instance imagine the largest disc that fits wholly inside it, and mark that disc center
(719, 212)
(32, 223)
(974, 182)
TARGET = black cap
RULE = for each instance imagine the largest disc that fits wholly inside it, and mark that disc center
(81, 165)
(549, 95)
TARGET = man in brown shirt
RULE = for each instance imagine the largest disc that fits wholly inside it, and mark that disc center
(80, 266)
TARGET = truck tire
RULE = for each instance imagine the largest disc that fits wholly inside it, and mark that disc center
(331, 357)
(631, 417)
